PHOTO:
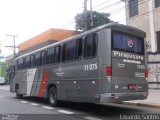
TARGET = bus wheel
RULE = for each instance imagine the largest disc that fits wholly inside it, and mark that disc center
(52, 96)
(18, 95)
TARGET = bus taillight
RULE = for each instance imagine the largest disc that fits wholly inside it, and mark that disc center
(146, 73)
(109, 71)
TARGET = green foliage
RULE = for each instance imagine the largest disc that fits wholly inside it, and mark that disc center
(3, 69)
(98, 20)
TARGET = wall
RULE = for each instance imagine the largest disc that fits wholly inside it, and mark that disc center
(148, 21)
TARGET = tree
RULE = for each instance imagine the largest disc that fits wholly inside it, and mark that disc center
(98, 19)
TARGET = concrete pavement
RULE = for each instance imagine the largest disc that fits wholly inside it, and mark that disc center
(4, 87)
(153, 99)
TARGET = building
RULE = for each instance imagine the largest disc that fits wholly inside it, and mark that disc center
(48, 37)
(145, 15)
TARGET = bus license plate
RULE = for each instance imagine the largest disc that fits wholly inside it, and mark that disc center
(132, 86)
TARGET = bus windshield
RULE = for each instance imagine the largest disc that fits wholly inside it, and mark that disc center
(126, 42)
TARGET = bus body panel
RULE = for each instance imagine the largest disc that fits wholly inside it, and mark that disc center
(125, 73)
(74, 79)
(20, 79)
(104, 51)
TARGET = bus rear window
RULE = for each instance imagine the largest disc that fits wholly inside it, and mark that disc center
(128, 43)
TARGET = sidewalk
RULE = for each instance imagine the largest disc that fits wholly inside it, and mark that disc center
(153, 100)
(4, 87)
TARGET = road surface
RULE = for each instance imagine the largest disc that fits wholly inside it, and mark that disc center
(30, 108)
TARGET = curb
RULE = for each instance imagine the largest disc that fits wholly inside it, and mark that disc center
(6, 89)
(142, 104)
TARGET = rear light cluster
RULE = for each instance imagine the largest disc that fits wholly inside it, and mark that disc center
(146, 73)
(109, 71)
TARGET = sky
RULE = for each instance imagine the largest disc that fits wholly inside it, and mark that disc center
(28, 18)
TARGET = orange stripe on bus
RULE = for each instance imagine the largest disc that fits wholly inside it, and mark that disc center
(44, 83)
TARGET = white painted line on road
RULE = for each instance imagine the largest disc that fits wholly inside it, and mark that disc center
(135, 102)
(65, 112)
(34, 104)
(91, 118)
(47, 107)
(24, 102)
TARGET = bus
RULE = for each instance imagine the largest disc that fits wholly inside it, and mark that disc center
(105, 64)
(3, 66)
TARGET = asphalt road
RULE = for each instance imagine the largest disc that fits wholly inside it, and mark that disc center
(38, 109)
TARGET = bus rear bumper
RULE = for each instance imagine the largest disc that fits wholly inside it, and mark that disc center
(118, 97)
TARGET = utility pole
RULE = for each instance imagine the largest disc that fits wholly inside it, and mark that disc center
(91, 14)
(85, 15)
(14, 45)
(85, 5)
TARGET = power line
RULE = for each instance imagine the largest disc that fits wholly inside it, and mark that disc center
(112, 12)
(6, 47)
(127, 7)
(101, 4)
(121, 7)
(93, 8)
(109, 6)
(145, 13)
(141, 14)
(116, 11)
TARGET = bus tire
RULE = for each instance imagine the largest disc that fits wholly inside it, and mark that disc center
(52, 96)
(18, 95)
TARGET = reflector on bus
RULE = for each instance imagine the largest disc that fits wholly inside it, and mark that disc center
(146, 73)
(109, 71)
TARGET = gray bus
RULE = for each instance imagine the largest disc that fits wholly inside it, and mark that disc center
(105, 64)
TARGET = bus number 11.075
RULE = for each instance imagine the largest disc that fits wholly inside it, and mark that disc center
(90, 67)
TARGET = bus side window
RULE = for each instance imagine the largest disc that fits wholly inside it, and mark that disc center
(95, 43)
(63, 52)
(20, 63)
(43, 57)
(90, 46)
(32, 61)
(24, 63)
(79, 48)
(50, 55)
(16, 65)
(57, 54)
(38, 59)
(69, 51)
(28, 62)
